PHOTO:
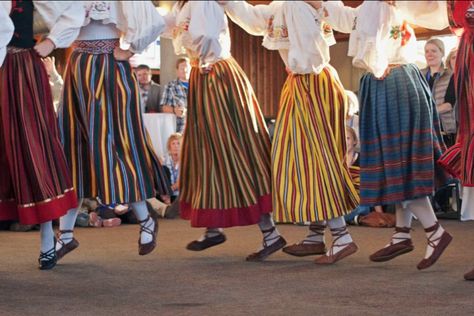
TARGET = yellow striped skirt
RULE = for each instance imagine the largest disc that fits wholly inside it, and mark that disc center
(310, 178)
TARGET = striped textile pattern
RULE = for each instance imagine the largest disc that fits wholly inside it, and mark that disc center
(107, 147)
(451, 160)
(465, 99)
(225, 162)
(400, 137)
(310, 178)
(35, 186)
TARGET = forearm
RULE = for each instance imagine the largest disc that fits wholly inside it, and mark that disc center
(167, 108)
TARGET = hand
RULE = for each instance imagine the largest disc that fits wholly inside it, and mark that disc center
(315, 4)
(204, 70)
(175, 187)
(49, 65)
(122, 55)
(179, 111)
(45, 47)
(385, 74)
(166, 199)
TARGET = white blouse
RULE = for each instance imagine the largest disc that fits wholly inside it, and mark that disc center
(199, 29)
(380, 33)
(294, 28)
(138, 22)
(6, 28)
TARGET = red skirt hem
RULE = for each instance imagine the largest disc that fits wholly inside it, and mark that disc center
(37, 213)
(229, 217)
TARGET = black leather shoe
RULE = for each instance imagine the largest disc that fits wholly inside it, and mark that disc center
(266, 251)
(47, 260)
(208, 242)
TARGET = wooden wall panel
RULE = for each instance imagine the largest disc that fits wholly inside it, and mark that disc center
(264, 68)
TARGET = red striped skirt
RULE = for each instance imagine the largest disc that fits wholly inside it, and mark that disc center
(35, 185)
(225, 164)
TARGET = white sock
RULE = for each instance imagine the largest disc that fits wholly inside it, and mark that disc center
(268, 229)
(47, 236)
(316, 233)
(341, 236)
(467, 207)
(424, 212)
(210, 232)
(67, 222)
(141, 212)
(403, 220)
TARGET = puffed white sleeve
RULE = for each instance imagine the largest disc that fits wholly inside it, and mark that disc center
(207, 23)
(428, 14)
(143, 24)
(64, 20)
(6, 28)
(252, 18)
(170, 22)
(340, 17)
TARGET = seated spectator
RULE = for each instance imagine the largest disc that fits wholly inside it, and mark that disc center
(150, 91)
(175, 94)
(352, 119)
(172, 162)
(352, 160)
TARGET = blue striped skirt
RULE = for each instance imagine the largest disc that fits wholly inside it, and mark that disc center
(400, 137)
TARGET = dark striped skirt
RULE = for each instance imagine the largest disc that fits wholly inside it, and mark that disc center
(465, 100)
(310, 179)
(400, 137)
(35, 185)
(225, 162)
(104, 138)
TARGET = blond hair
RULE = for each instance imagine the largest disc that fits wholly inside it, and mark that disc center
(174, 136)
(448, 59)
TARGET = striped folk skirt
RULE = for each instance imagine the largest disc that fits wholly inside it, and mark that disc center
(310, 179)
(460, 158)
(400, 137)
(225, 162)
(35, 185)
(105, 141)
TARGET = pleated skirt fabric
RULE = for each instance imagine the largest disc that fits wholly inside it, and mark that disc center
(464, 72)
(400, 137)
(35, 184)
(310, 178)
(105, 141)
(225, 164)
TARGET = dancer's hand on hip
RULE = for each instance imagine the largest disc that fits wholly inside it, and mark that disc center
(45, 47)
(122, 55)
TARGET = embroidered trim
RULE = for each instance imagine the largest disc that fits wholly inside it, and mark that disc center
(276, 32)
(15, 50)
(401, 31)
(96, 46)
(181, 28)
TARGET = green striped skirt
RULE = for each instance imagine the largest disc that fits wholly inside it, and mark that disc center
(225, 162)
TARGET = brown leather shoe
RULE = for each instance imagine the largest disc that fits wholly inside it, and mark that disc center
(144, 249)
(444, 241)
(348, 250)
(394, 249)
(268, 250)
(308, 249)
(469, 276)
(66, 247)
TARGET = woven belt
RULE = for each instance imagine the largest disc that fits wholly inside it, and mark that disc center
(96, 46)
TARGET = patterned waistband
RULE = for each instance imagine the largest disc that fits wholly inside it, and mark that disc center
(96, 46)
(16, 50)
